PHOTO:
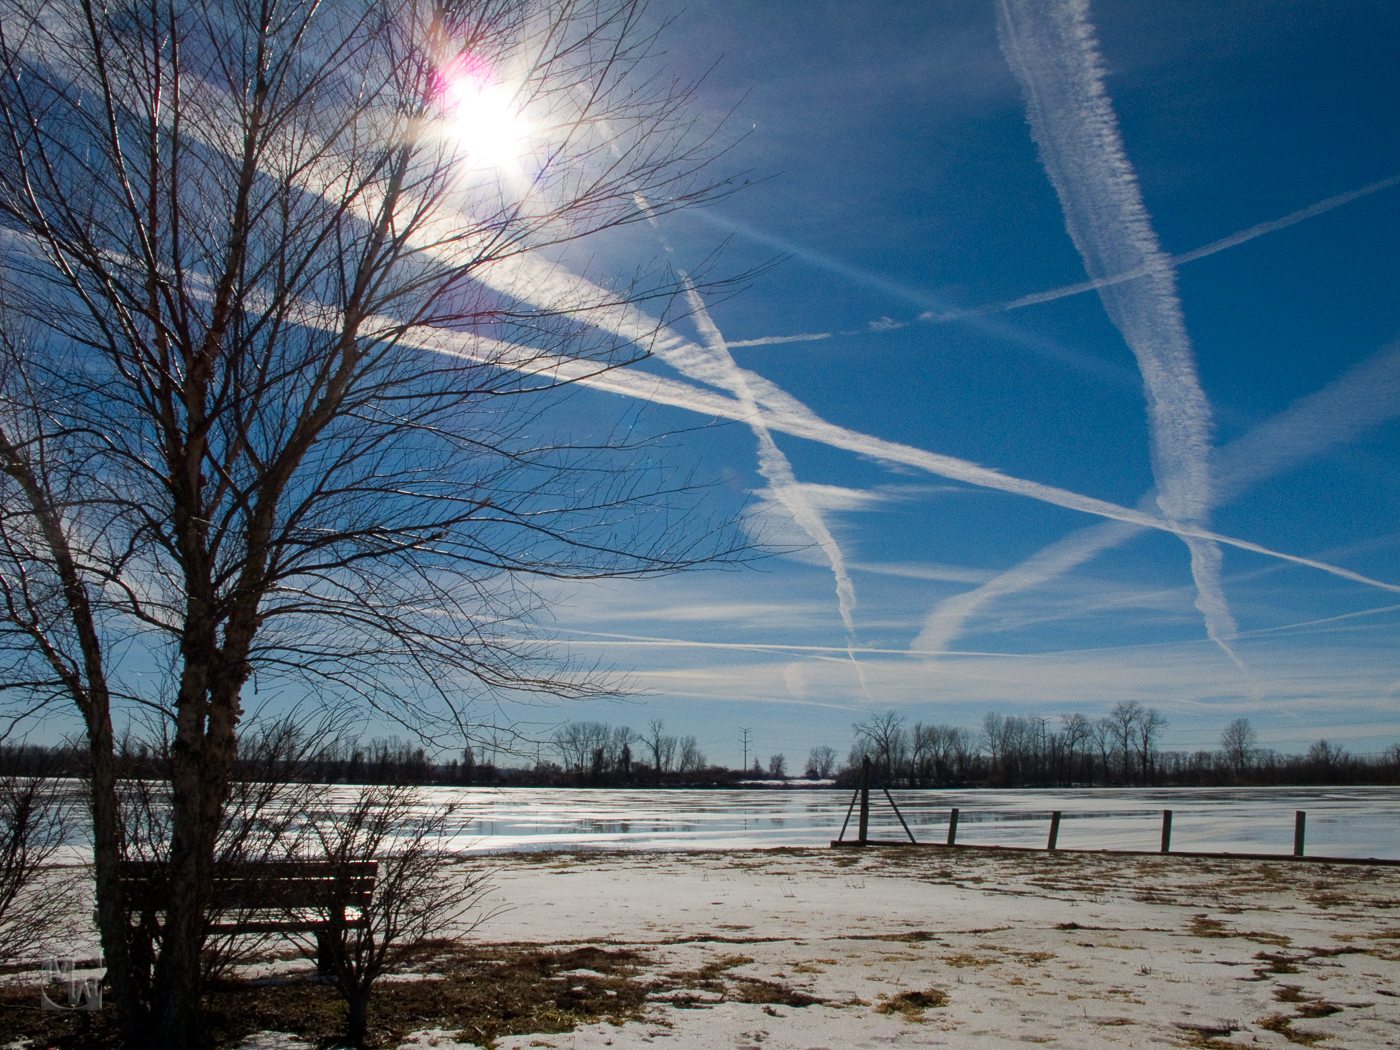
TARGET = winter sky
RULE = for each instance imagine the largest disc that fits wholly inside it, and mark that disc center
(1077, 380)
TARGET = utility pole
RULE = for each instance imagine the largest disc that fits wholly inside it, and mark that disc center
(745, 741)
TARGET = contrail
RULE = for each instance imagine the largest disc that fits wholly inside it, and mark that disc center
(529, 279)
(1064, 292)
(1051, 48)
(802, 422)
(1363, 397)
(777, 471)
(768, 340)
(773, 465)
(1177, 260)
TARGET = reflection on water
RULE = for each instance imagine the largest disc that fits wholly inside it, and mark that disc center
(1359, 822)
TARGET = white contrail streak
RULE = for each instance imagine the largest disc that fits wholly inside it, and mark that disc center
(534, 280)
(768, 340)
(1241, 237)
(802, 422)
(1068, 290)
(1051, 48)
(777, 471)
(773, 465)
(1365, 396)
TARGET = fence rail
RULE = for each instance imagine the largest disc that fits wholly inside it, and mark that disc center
(862, 795)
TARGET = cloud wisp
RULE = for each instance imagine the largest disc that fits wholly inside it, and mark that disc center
(1052, 49)
(1363, 397)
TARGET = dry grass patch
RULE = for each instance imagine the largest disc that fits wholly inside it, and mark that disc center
(481, 993)
(965, 959)
(911, 1005)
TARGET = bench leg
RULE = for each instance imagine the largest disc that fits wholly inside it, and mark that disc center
(141, 943)
(325, 954)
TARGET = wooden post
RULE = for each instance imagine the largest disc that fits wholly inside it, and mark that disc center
(864, 799)
(1166, 831)
(1300, 820)
(953, 826)
(1054, 829)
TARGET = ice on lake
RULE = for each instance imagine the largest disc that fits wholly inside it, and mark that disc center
(1341, 822)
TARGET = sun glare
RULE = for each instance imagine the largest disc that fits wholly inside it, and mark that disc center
(483, 114)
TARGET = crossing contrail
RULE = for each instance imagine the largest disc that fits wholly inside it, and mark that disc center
(1050, 46)
(800, 421)
(1362, 398)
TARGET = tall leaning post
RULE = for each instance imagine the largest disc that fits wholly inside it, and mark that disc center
(1166, 831)
(953, 826)
(864, 798)
(1300, 820)
(1054, 838)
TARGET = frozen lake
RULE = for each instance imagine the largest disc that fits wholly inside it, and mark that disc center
(1341, 822)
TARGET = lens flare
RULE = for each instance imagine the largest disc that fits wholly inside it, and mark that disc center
(483, 114)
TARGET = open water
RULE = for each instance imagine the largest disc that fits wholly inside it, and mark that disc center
(1341, 822)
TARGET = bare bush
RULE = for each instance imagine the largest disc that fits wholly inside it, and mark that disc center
(422, 890)
(35, 820)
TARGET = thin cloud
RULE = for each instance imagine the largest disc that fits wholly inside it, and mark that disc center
(1055, 56)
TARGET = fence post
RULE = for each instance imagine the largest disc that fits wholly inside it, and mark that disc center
(1054, 829)
(1166, 831)
(864, 798)
(1300, 820)
(953, 826)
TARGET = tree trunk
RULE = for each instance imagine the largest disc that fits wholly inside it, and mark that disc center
(128, 995)
(357, 1019)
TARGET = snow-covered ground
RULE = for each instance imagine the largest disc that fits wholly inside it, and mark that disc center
(1076, 950)
(896, 947)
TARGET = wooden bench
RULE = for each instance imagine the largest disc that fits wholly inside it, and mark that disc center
(285, 896)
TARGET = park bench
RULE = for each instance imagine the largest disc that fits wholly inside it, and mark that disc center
(253, 897)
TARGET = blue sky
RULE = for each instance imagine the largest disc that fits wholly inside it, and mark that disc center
(1250, 394)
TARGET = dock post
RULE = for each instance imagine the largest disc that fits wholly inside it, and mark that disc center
(1166, 831)
(1054, 829)
(953, 826)
(864, 799)
(1300, 820)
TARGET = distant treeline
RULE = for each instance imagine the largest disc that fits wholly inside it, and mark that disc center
(1120, 749)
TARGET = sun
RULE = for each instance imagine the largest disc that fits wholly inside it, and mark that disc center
(484, 115)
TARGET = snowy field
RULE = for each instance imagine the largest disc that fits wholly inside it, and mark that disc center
(1071, 950)
(822, 949)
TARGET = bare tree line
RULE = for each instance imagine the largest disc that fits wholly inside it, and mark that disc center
(1118, 749)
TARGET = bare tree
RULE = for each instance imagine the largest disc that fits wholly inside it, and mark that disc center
(886, 741)
(652, 739)
(692, 759)
(265, 310)
(1124, 720)
(777, 767)
(1076, 731)
(1150, 723)
(821, 761)
(1102, 736)
(1237, 741)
